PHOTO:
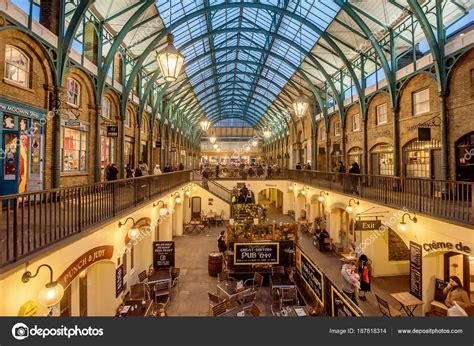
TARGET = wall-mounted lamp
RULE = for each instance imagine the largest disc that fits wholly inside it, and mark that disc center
(132, 233)
(177, 200)
(322, 196)
(52, 293)
(402, 226)
(164, 212)
(350, 206)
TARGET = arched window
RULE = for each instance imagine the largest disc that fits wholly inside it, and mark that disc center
(17, 66)
(73, 92)
(128, 119)
(106, 108)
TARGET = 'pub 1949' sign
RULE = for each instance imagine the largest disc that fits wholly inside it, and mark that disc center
(256, 253)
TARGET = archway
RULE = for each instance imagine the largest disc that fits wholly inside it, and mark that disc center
(339, 226)
(272, 198)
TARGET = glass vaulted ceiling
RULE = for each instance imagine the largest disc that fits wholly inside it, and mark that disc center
(235, 67)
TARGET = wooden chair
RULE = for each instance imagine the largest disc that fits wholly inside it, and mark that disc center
(142, 276)
(162, 292)
(278, 270)
(386, 309)
(276, 307)
(289, 296)
(220, 219)
(246, 301)
(138, 291)
(254, 310)
(224, 276)
(220, 308)
(214, 300)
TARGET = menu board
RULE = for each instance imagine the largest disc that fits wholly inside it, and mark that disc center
(163, 254)
(416, 276)
(256, 253)
(118, 280)
(313, 277)
(440, 285)
(341, 306)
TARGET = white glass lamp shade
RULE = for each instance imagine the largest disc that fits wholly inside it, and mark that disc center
(187, 193)
(51, 294)
(212, 139)
(290, 188)
(267, 133)
(178, 200)
(254, 143)
(300, 106)
(321, 199)
(402, 227)
(133, 233)
(170, 61)
(247, 148)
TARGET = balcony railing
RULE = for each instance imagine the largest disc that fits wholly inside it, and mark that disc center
(450, 200)
(32, 221)
(446, 199)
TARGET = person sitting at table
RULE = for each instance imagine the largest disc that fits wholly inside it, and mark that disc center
(455, 292)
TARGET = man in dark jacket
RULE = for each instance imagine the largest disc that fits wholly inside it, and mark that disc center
(353, 171)
(113, 172)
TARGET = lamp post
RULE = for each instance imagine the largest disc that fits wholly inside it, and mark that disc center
(205, 124)
(52, 293)
(170, 60)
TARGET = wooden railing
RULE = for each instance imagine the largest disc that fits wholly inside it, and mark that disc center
(31, 221)
(446, 199)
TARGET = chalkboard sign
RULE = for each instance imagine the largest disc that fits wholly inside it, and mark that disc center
(440, 285)
(112, 131)
(416, 276)
(118, 280)
(256, 253)
(313, 277)
(163, 254)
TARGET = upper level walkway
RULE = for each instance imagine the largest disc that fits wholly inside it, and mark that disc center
(30, 222)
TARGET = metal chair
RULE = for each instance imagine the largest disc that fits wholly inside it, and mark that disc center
(175, 275)
(162, 292)
(254, 310)
(224, 276)
(220, 219)
(276, 307)
(142, 276)
(386, 309)
(221, 308)
(289, 296)
(245, 302)
(214, 300)
(278, 270)
(257, 282)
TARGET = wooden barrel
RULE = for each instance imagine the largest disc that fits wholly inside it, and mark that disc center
(215, 263)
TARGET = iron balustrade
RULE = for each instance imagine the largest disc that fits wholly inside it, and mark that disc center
(30, 222)
(450, 200)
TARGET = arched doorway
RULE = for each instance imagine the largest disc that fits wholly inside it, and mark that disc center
(339, 227)
(465, 158)
(272, 198)
(355, 154)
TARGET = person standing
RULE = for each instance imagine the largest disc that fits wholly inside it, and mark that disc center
(181, 166)
(354, 170)
(217, 171)
(157, 169)
(113, 172)
(128, 171)
(349, 282)
(298, 166)
(364, 268)
(138, 172)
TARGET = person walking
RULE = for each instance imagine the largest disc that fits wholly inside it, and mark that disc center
(222, 246)
(354, 171)
(364, 268)
(128, 171)
(138, 171)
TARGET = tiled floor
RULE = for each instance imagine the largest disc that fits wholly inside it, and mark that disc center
(192, 252)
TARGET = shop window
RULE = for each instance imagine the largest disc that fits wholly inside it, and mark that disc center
(421, 102)
(382, 160)
(322, 134)
(106, 108)
(381, 114)
(128, 119)
(17, 66)
(356, 122)
(418, 157)
(73, 92)
(355, 155)
(74, 149)
(337, 128)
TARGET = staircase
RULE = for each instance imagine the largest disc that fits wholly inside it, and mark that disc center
(214, 187)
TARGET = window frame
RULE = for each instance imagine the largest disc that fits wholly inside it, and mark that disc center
(322, 134)
(27, 70)
(78, 93)
(83, 130)
(413, 103)
(354, 129)
(337, 128)
(105, 100)
(128, 119)
(377, 114)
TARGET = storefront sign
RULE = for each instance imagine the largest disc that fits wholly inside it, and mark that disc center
(72, 123)
(97, 254)
(446, 246)
(342, 306)
(158, 144)
(256, 253)
(368, 225)
(112, 131)
(385, 133)
(17, 110)
(118, 280)
(433, 122)
(313, 277)
(163, 254)
(416, 275)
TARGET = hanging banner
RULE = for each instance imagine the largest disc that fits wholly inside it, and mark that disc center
(118, 280)
(416, 275)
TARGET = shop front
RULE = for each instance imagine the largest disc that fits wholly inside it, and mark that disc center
(108, 144)
(21, 148)
(129, 153)
(422, 159)
(381, 157)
